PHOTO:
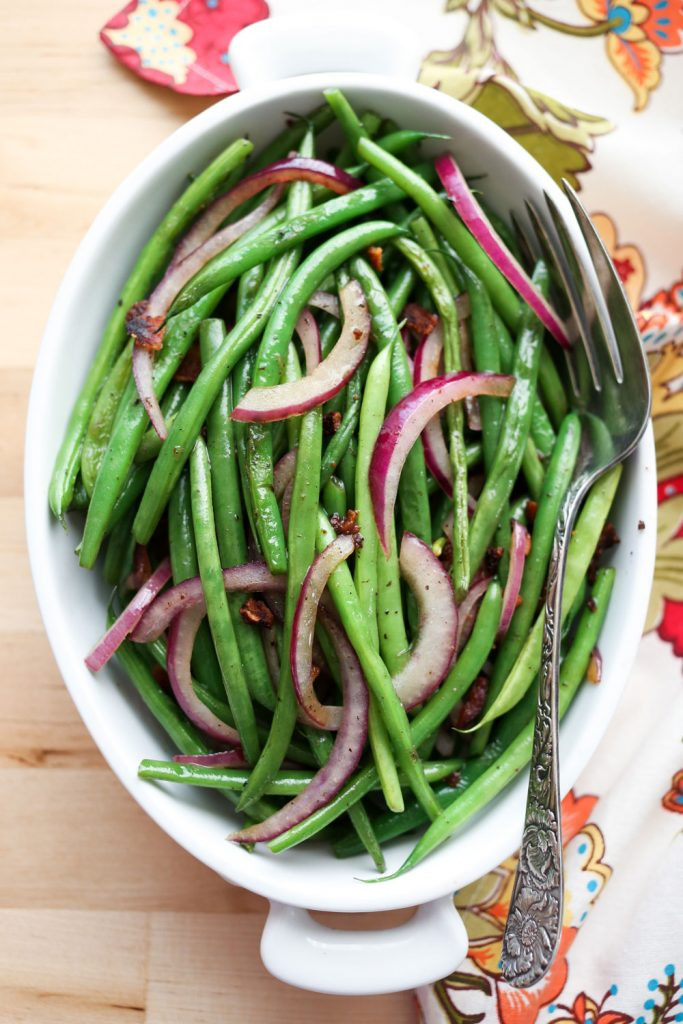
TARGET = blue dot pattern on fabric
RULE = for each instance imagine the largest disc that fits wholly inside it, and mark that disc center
(224, 58)
(152, 13)
(582, 848)
(649, 1004)
(592, 885)
(552, 1008)
(669, 970)
(653, 984)
(613, 990)
(679, 1016)
(640, 1020)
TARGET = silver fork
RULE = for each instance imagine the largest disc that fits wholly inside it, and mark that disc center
(610, 389)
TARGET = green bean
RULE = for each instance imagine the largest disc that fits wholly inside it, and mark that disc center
(424, 234)
(131, 424)
(558, 479)
(292, 372)
(184, 566)
(80, 498)
(395, 719)
(288, 782)
(151, 443)
(232, 544)
(151, 261)
(301, 541)
(584, 539)
(532, 468)
(118, 558)
(445, 221)
(130, 492)
(339, 443)
(347, 471)
(217, 610)
(101, 420)
(486, 355)
(444, 302)
(412, 489)
(268, 369)
(513, 434)
(541, 428)
(334, 497)
(518, 754)
(370, 123)
(552, 388)
(400, 288)
(393, 641)
(249, 251)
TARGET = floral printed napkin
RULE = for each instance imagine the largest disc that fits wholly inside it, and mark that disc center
(594, 90)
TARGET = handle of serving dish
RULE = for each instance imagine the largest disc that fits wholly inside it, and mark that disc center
(301, 951)
(281, 47)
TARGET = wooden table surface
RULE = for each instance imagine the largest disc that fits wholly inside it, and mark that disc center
(102, 917)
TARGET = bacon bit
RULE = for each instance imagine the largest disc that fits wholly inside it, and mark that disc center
(331, 423)
(375, 256)
(641, 524)
(315, 671)
(191, 365)
(147, 330)
(473, 704)
(357, 333)
(594, 670)
(591, 605)
(420, 321)
(142, 569)
(520, 600)
(531, 510)
(257, 613)
(492, 559)
(160, 676)
(527, 545)
(348, 525)
(453, 779)
(608, 539)
(446, 556)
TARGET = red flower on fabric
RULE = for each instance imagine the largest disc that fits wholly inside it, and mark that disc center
(182, 45)
(585, 1010)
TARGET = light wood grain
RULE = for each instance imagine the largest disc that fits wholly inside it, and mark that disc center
(103, 919)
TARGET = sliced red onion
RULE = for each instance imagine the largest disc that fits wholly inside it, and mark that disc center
(283, 473)
(181, 637)
(344, 756)
(309, 336)
(303, 632)
(221, 759)
(291, 168)
(434, 649)
(467, 611)
(427, 359)
(472, 215)
(129, 617)
(252, 578)
(326, 301)
(518, 548)
(143, 374)
(296, 397)
(405, 423)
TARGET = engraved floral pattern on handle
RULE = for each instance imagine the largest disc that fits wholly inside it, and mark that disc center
(535, 918)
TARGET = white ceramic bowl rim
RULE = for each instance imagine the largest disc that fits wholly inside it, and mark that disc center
(297, 877)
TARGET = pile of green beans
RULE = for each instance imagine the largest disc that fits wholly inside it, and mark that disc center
(205, 495)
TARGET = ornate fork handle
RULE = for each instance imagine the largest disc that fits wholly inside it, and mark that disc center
(533, 926)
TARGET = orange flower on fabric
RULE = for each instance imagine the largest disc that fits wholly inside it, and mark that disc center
(585, 1010)
(673, 800)
(631, 47)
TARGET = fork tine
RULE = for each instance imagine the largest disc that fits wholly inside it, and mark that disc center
(528, 257)
(608, 278)
(556, 258)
